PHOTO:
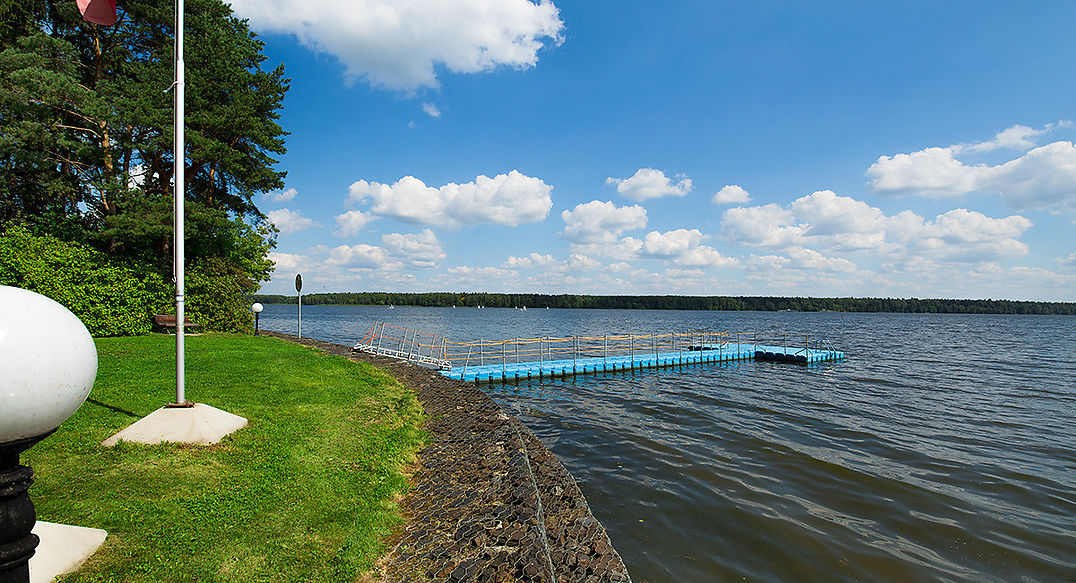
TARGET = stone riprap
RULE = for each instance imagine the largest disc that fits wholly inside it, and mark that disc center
(488, 502)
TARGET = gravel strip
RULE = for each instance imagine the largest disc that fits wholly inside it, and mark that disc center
(488, 501)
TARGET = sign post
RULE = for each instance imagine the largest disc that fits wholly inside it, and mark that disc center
(299, 290)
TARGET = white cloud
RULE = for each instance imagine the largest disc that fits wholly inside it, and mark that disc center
(420, 249)
(402, 45)
(1069, 262)
(351, 223)
(361, 256)
(764, 226)
(683, 247)
(731, 194)
(482, 275)
(289, 221)
(578, 262)
(671, 243)
(136, 176)
(824, 220)
(649, 183)
(431, 110)
(929, 172)
(601, 222)
(1018, 137)
(705, 256)
(281, 195)
(506, 199)
(529, 261)
(286, 262)
(1043, 178)
(625, 249)
(621, 267)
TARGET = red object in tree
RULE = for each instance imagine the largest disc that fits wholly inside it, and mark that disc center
(98, 11)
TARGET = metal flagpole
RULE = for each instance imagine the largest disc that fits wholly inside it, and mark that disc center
(179, 192)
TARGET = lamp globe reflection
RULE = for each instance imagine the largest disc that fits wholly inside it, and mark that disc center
(48, 363)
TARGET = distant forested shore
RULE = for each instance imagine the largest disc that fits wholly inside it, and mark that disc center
(727, 303)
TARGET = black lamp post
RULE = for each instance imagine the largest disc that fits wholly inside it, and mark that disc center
(48, 363)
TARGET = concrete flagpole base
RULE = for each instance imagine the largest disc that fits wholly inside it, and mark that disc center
(199, 424)
(63, 548)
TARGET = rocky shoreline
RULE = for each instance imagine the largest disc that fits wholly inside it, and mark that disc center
(488, 502)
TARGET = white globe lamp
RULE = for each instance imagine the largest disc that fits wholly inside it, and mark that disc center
(48, 363)
(257, 309)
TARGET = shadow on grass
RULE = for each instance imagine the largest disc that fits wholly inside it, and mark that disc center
(113, 408)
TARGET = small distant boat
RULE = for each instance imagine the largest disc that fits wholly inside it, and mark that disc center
(392, 307)
(524, 308)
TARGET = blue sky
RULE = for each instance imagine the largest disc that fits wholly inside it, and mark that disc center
(915, 149)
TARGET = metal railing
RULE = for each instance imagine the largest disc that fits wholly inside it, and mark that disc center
(436, 350)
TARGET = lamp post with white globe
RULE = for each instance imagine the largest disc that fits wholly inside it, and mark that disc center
(257, 309)
(48, 363)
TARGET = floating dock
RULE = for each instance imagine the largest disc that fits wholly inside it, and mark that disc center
(485, 361)
(492, 373)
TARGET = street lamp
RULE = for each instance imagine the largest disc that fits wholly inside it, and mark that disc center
(48, 363)
(257, 309)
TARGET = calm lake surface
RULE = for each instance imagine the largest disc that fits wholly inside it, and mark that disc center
(942, 449)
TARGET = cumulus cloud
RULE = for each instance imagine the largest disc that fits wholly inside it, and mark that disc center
(683, 247)
(289, 221)
(764, 226)
(361, 256)
(1044, 177)
(402, 45)
(731, 194)
(506, 199)
(705, 256)
(286, 262)
(649, 183)
(419, 250)
(578, 262)
(281, 195)
(351, 223)
(431, 110)
(625, 249)
(601, 222)
(671, 243)
(824, 220)
(529, 261)
(1018, 137)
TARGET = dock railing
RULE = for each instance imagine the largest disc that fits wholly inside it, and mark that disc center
(560, 348)
(435, 350)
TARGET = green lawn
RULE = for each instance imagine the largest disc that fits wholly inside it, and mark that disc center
(306, 492)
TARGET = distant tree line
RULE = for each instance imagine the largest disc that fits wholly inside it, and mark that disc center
(726, 303)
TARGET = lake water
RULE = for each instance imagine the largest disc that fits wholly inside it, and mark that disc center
(942, 449)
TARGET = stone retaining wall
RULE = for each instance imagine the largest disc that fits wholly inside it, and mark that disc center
(489, 502)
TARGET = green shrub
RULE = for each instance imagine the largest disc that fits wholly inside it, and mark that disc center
(110, 296)
(214, 298)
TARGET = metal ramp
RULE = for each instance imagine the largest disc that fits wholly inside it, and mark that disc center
(405, 344)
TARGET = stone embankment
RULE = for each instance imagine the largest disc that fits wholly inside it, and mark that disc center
(489, 502)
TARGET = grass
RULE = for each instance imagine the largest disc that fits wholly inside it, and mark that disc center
(306, 492)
